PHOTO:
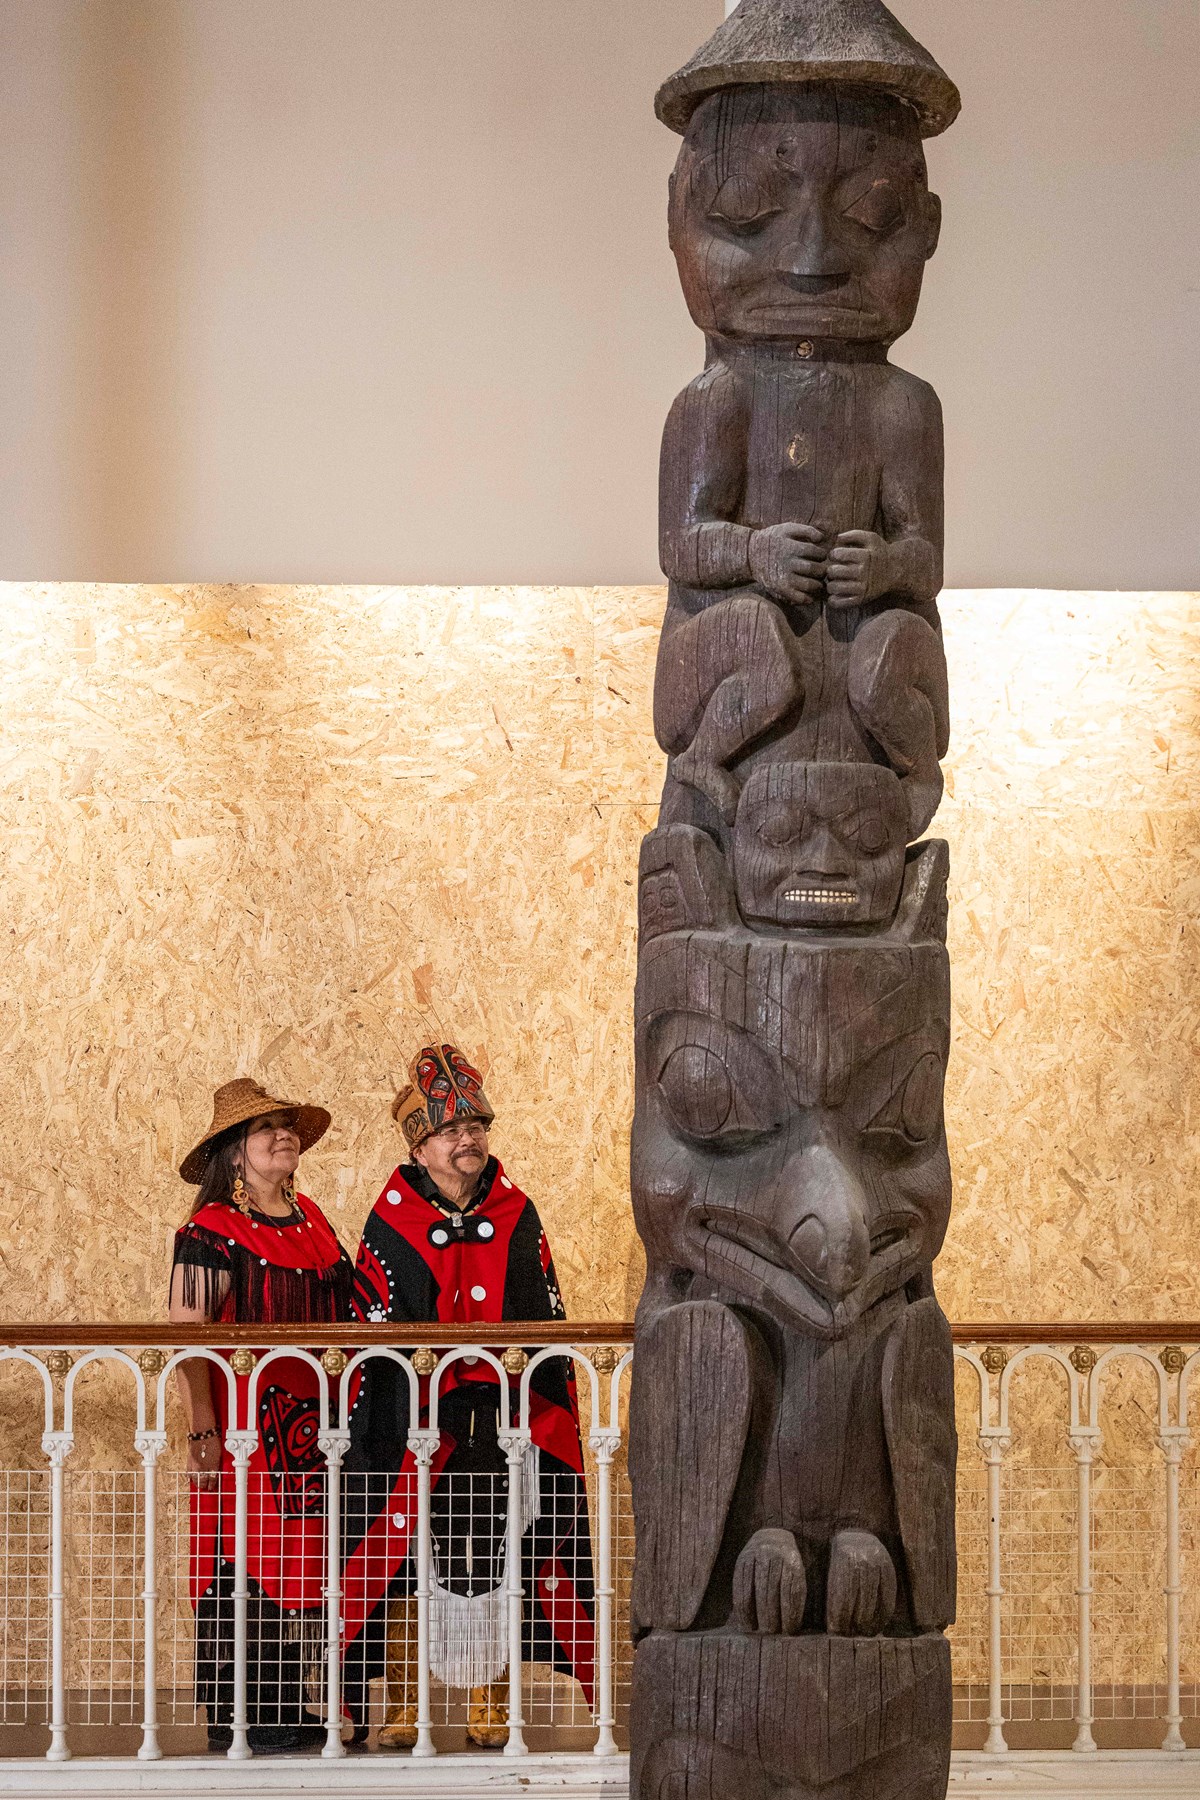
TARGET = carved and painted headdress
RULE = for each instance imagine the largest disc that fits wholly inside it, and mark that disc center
(852, 41)
(443, 1087)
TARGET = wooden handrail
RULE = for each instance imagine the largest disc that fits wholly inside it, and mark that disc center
(352, 1337)
(80, 1335)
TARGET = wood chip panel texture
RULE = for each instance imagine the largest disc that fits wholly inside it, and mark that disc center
(285, 831)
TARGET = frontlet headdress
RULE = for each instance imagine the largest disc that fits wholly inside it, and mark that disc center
(443, 1087)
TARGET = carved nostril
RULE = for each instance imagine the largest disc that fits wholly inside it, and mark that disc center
(820, 282)
(810, 1246)
(834, 1264)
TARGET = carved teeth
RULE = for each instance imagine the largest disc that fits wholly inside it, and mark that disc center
(823, 896)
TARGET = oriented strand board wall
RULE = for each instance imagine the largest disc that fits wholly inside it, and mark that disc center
(291, 832)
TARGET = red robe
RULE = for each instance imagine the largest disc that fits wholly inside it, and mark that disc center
(419, 1263)
(277, 1273)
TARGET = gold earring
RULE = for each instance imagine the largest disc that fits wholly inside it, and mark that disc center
(241, 1198)
(289, 1190)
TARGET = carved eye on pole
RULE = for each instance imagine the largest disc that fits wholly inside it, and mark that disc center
(910, 1116)
(879, 208)
(696, 1087)
(713, 1083)
(742, 203)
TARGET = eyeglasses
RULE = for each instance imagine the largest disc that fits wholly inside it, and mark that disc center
(463, 1128)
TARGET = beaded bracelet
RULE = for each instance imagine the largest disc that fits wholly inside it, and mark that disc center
(196, 1437)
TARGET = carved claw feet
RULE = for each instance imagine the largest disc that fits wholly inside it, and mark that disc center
(861, 1595)
(769, 1585)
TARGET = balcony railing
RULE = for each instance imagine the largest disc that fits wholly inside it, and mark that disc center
(1079, 1536)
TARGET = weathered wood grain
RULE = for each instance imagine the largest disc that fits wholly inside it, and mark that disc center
(792, 1441)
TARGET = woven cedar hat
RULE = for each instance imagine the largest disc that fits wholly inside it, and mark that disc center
(854, 41)
(442, 1087)
(236, 1104)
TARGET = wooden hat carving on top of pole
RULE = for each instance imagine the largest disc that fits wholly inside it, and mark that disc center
(792, 1442)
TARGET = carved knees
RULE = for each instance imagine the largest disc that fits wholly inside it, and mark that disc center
(861, 1595)
(769, 1585)
(725, 677)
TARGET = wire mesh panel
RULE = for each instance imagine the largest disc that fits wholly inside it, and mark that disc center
(1128, 1550)
(559, 1636)
(1039, 1552)
(178, 1704)
(969, 1634)
(1189, 1610)
(24, 1596)
(103, 1583)
(623, 1545)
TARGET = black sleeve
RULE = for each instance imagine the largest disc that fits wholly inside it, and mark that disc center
(529, 1292)
(204, 1258)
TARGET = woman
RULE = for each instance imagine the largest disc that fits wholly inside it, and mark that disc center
(255, 1251)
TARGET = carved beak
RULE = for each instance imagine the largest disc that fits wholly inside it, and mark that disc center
(823, 1220)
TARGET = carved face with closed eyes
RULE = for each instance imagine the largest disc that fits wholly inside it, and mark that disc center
(820, 844)
(789, 1149)
(803, 211)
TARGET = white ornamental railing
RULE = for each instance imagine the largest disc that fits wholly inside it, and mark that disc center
(1079, 1538)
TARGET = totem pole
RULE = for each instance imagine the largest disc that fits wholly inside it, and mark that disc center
(792, 1442)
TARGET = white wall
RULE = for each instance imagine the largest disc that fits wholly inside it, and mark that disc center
(378, 290)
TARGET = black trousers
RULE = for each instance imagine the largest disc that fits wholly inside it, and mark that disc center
(277, 1658)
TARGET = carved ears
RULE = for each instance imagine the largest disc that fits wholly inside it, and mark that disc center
(898, 687)
(683, 883)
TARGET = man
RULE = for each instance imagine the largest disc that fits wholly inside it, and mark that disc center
(453, 1240)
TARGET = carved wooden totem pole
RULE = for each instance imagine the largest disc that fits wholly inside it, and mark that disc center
(792, 1434)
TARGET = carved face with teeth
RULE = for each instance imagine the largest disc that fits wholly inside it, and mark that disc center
(820, 844)
(803, 210)
(789, 1149)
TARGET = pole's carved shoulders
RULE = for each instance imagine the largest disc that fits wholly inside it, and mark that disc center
(792, 1442)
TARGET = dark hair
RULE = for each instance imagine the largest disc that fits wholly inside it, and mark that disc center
(216, 1184)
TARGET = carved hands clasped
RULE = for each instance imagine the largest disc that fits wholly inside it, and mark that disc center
(797, 565)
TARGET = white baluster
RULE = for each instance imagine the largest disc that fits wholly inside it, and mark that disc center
(515, 1445)
(1173, 1441)
(1083, 1440)
(333, 1446)
(423, 1444)
(240, 1445)
(604, 1446)
(150, 1446)
(57, 1446)
(994, 1442)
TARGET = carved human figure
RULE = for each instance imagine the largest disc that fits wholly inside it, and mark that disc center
(792, 1445)
(801, 491)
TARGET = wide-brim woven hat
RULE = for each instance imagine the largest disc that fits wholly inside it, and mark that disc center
(854, 41)
(236, 1104)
